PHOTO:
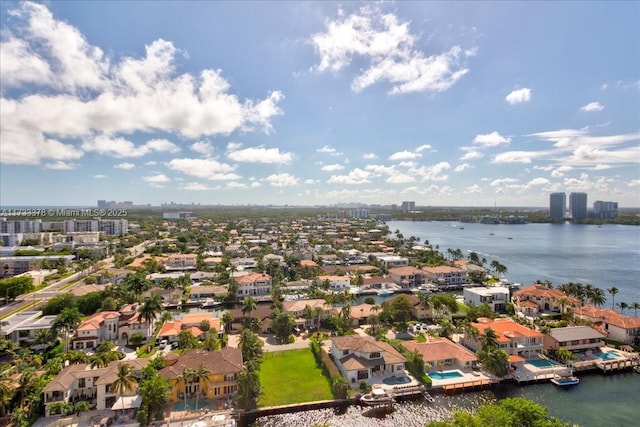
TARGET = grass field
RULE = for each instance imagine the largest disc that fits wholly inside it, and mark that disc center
(292, 377)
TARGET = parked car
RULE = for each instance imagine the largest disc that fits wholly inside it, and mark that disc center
(163, 344)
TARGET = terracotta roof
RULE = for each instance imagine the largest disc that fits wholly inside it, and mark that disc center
(361, 311)
(170, 329)
(111, 371)
(225, 361)
(405, 271)
(541, 291)
(440, 349)
(609, 316)
(94, 322)
(368, 345)
(505, 329)
(293, 306)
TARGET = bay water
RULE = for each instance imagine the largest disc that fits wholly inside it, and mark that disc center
(606, 256)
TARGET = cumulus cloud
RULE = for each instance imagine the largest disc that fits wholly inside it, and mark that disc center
(462, 167)
(327, 149)
(432, 172)
(124, 165)
(260, 155)
(389, 51)
(121, 147)
(592, 106)
(370, 156)
(194, 186)
(332, 168)
(282, 180)
(86, 96)
(99, 176)
(492, 139)
(156, 179)
(473, 189)
(202, 147)
(404, 155)
(356, 176)
(472, 153)
(519, 96)
(210, 169)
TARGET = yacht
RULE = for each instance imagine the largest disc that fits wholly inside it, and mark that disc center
(378, 396)
(565, 380)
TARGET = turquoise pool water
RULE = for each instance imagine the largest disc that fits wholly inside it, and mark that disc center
(191, 405)
(446, 375)
(607, 356)
(541, 363)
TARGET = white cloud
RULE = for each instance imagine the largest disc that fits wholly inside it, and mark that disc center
(99, 176)
(538, 181)
(462, 167)
(121, 147)
(202, 147)
(60, 165)
(472, 153)
(473, 189)
(404, 155)
(634, 183)
(204, 168)
(124, 165)
(519, 96)
(388, 48)
(260, 155)
(282, 180)
(332, 168)
(492, 139)
(356, 176)
(370, 156)
(431, 173)
(601, 167)
(151, 163)
(194, 186)
(421, 148)
(516, 157)
(592, 106)
(156, 179)
(84, 94)
(327, 149)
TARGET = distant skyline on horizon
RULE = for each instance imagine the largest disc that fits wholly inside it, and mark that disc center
(448, 104)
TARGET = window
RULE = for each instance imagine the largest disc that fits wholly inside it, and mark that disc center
(81, 383)
(345, 352)
(375, 355)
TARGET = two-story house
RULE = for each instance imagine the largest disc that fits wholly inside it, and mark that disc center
(514, 338)
(336, 283)
(446, 276)
(617, 326)
(318, 308)
(407, 277)
(495, 296)
(255, 284)
(362, 358)
(537, 299)
(223, 367)
(574, 338)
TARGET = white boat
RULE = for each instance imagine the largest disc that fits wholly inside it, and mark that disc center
(377, 397)
(385, 293)
(210, 303)
(565, 380)
(428, 397)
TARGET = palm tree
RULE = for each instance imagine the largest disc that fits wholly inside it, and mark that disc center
(597, 297)
(563, 303)
(622, 306)
(250, 345)
(249, 304)
(44, 337)
(149, 311)
(67, 320)
(227, 320)
(7, 390)
(202, 377)
(635, 306)
(125, 381)
(248, 386)
(81, 407)
(488, 339)
(317, 314)
(185, 377)
(425, 300)
(613, 291)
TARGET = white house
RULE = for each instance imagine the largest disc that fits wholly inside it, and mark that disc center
(254, 284)
(362, 358)
(495, 296)
(337, 283)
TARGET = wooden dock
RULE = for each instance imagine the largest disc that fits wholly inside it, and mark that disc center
(616, 365)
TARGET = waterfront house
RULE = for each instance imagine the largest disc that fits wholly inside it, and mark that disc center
(80, 382)
(574, 338)
(296, 308)
(407, 277)
(617, 326)
(439, 353)
(537, 299)
(111, 326)
(180, 261)
(190, 322)
(495, 296)
(223, 368)
(419, 312)
(254, 284)
(336, 283)
(362, 358)
(446, 276)
(514, 338)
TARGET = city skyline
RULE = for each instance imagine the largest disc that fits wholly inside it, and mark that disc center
(319, 103)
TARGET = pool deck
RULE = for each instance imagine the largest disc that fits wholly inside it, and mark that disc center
(468, 379)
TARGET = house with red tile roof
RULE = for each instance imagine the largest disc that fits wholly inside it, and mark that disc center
(615, 325)
(537, 299)
(512, 337)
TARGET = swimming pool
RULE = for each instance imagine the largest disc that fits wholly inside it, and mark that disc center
(191, 405)
(445, 375)
(608, 355)
(541, 363)
(396, 380)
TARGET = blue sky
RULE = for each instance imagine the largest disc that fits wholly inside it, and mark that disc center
(314, 103)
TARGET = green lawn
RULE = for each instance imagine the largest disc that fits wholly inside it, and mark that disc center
(292, 377)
